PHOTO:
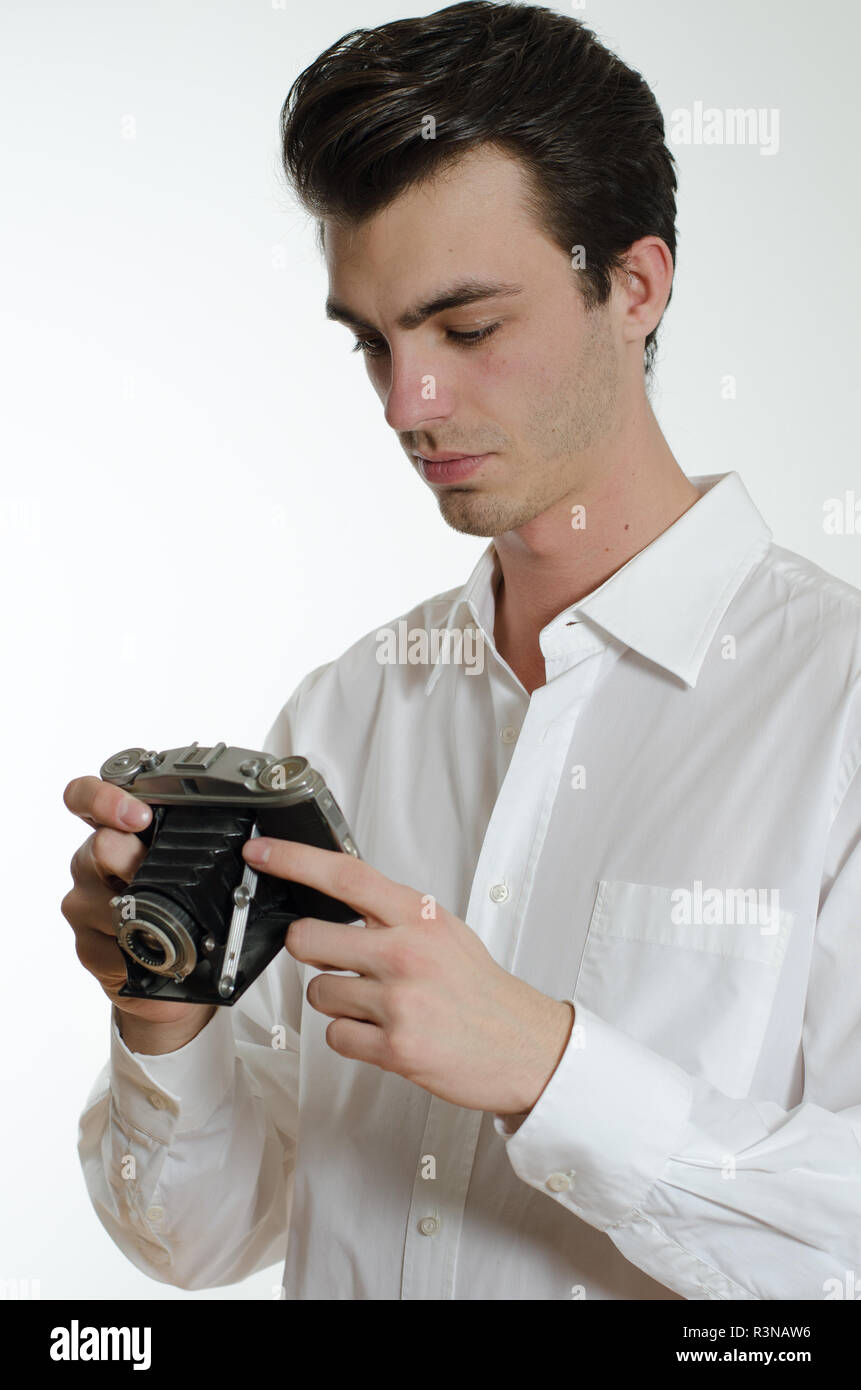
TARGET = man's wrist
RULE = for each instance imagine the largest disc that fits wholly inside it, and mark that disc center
(559, 1033)
(155, 1039)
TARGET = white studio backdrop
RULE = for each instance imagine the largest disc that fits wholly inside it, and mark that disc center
(200, 499)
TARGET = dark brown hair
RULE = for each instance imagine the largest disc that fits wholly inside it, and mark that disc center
(536, 84)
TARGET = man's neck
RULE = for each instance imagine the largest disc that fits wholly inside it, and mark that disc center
(549, 564)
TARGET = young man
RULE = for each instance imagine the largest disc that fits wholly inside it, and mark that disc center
(600, 1036)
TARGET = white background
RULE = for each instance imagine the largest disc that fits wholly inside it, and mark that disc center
(200, 499)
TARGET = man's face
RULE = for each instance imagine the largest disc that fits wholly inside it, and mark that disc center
(537, 396)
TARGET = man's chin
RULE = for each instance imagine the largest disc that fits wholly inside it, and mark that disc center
(468, 513)
(477, 514)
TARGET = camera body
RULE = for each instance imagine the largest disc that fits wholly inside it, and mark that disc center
(197, 924)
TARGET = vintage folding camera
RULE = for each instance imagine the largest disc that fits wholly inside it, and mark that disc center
(197, 923)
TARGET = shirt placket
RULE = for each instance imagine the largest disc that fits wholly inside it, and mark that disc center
(498, 900)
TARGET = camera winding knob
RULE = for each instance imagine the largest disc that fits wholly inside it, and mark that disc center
(276, 776)
(126, 765)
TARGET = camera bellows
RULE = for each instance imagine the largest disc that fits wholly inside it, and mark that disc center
(183, 891)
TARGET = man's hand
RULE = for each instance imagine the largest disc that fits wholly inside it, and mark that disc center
(430, 1002)
(104, 865)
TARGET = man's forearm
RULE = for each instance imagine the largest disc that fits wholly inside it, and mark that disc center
(165, 1141)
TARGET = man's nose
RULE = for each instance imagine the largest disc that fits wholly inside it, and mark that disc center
(416, 395)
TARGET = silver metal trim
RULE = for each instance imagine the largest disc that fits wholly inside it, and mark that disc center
(242, 896)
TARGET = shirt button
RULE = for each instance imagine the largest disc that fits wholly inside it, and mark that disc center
(558, 1182)
(499, 893)
(156, 1101)
(155, 1214)
(508, 734)
(429, 1225)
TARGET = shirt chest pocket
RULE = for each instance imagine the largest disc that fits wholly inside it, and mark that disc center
(699, 992)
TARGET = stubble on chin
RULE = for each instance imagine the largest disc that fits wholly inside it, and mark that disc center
(474, 513)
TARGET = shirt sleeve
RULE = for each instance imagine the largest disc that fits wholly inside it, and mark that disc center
(714, 1196)
(188, 1156)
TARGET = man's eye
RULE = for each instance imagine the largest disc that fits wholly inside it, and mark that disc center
(477, 336)
(371, 347)
(374, 347)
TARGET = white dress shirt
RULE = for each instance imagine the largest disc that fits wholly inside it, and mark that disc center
(666, 833)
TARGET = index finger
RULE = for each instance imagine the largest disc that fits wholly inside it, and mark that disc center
(351, 881)
(101, 803)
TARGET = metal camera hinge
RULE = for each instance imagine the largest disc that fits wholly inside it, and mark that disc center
(243, 894)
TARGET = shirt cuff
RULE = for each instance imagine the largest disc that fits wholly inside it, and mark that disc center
(174, 1092)
(600, 1133)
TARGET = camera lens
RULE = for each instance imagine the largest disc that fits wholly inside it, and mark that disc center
(151, 948)
(158, 936)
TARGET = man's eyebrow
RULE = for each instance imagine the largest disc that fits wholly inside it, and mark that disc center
(465, 292)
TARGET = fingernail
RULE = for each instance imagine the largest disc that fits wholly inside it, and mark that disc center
(255, 851)
(133, 814)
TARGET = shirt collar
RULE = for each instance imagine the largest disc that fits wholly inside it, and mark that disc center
(667, 600)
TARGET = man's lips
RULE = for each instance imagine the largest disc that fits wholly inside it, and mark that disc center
(449, 467)
(447, 457)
